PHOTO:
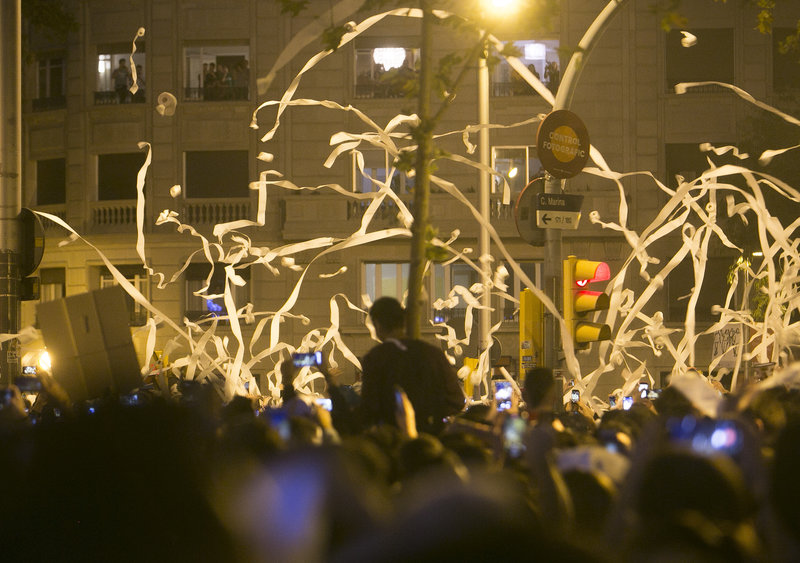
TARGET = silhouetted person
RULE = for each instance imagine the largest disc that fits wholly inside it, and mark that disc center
(419, 368)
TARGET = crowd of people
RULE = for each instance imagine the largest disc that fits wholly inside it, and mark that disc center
(221, 83)
(123, 80)
(403, 468)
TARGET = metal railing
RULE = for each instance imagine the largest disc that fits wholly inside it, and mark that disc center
(112, 97)
(220, 93)
(214, 211)
(113, 213)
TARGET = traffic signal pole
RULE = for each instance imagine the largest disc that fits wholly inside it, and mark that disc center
(553, 255)
(10, 183)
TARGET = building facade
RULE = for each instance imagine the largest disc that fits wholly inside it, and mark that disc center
(82, 154)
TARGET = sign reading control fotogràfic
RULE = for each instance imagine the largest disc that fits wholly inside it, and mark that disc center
(563, 143)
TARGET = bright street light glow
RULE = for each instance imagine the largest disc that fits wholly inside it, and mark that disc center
(500, 4)
(389, 57)
(513, 172)
(44, 361)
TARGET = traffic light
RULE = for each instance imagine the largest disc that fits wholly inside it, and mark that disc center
(579, 303)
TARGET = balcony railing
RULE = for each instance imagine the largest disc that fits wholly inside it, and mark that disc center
(56, 209)
(214, 211)
(113, 213)
(513, 88)
(219, 93)
(51, 103)
(111, 97)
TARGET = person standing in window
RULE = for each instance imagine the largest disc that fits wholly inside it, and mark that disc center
(138, 97)
(122, 81)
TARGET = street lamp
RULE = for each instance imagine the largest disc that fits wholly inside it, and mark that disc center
(491, 9)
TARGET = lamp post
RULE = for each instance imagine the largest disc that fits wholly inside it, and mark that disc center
(10, 186)
(492, 7)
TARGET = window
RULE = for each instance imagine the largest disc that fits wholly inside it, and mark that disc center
(115, 75)
(515, 286)
(687, 160)
(680, 284)
(385, 71)
(382, 279)
(52, 284)
(116, 175)
(216, 73)
(710, 59)
(386, 279)
(51, 181)
(376, 163)
(214, 174)
(785, 66)
(541, 58)
(138, 278)
(684, 159)
(49, 85)
(199, 307)
(518, 165)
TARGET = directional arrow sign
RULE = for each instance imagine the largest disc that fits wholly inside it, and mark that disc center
(549, 219)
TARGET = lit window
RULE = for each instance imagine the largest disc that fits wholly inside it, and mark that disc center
(52, 284)
(216, 73)
(541, 58)
(203, 306)
(385, 72)
(115, 75)
(217, 174)
(376, 163)
(138, 278)
(518, 165)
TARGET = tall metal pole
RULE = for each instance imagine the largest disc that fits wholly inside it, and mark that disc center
(484, 242)
(552, 242)
(10, 183)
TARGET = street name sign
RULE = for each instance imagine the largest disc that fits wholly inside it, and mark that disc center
(558, 211)
(557, 219)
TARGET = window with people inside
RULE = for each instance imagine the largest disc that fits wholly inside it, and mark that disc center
(216, 73)
(116, 75)
(541, 58)
(385, 72)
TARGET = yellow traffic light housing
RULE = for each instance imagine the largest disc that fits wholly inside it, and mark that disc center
(531, 331)
(579, 303)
